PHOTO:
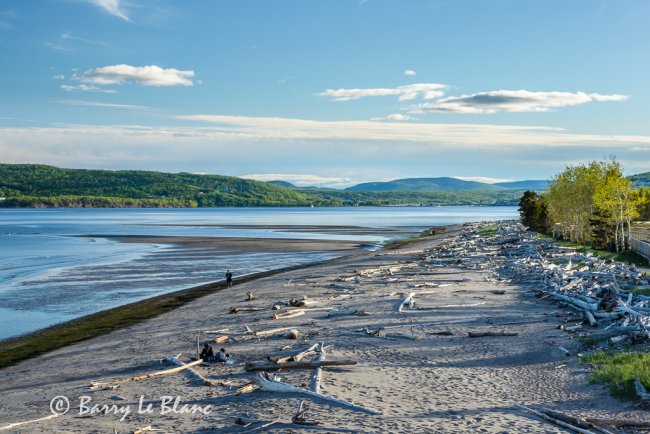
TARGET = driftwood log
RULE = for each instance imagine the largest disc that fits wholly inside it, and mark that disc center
(268, 366)
(113, 383)
(17, 424)
(280, 387)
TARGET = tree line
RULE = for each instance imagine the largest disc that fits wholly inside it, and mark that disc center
(590, 203)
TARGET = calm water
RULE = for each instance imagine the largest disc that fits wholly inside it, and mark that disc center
(50, 274)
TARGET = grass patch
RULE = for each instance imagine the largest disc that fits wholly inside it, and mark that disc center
(428, 233)
(629, 256)
(619, 369)
(488, 231)
(21, 348)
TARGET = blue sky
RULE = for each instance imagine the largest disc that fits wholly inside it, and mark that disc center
(326, 92)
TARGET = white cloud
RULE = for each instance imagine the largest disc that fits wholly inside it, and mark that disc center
(409, 73)
(406, 92)
(393, 117)
(484, 179)
(59, 77)
(511, 101)
(112, 7)
(303, 180)
(145, 75)
(465, 136)
(356, 150)
(85, 88)
(103, 104)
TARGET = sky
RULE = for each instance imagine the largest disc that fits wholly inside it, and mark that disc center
(328, 93)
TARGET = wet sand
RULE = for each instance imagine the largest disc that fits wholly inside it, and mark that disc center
(425, 377)
(240, 244)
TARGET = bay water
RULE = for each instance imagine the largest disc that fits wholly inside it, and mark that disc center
(61, 264)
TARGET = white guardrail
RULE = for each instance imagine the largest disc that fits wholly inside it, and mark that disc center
(640, 243)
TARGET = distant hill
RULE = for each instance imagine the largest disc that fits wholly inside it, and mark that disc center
(280, 183)
(40, 185)
(425, 184)
(641, 179)
(538, 185)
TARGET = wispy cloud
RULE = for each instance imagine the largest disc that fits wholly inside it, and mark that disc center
(393, 117)
(409, 73)
(460, 136)
(511, 101)
(112, 7)
(70, 37)
(404, 93)
(485, 179)
(68, 42)
(144, 75)
(300, 179)
(356, 150)
(6, 18)
(58, 77)
(58, 46)
(85, 88)
(103, 104)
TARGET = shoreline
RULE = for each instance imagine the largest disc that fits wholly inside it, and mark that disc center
(24, 347)
(454, 361)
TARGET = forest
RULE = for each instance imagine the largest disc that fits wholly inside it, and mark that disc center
(589, 203)
(31, 185)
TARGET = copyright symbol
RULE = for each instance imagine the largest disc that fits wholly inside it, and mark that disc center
(59, 405)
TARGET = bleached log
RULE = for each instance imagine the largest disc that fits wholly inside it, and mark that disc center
(100, 385)
(554, 420)
(146, 429)
(623, 307)
(268, 366)
(247, 388)
(216, 331)
(318, 374)
(337, 312)
(620, 422)
(407, 301)
(280, 387)
(175, 361)
(307, 310)
(296, 357)
(263, 333)
(287, 315)
(573, 420)
(428, 324)
(590, 318)
(299, 417)
(16, 424)
(581, 304)
(446, 306)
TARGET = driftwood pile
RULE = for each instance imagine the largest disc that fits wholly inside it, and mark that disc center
(600, 291)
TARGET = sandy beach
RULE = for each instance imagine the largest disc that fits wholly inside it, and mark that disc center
(422, 373)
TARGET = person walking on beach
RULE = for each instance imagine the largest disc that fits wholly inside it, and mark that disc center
(229, 278)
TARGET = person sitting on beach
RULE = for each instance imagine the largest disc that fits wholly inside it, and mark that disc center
(229, 278)
(208, 353)
(221, 356)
